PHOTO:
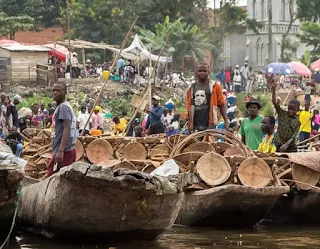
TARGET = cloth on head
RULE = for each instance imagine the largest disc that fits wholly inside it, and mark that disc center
(17, 98)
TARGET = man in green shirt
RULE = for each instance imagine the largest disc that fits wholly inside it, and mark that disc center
(250, 130)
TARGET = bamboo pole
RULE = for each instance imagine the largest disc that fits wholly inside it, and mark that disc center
(147, 90)
(309, 139)
(107, 79)
(69, 42)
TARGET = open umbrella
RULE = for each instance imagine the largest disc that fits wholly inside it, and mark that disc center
(315, 65)
(300, 68)
(278, 68)
(60, 51)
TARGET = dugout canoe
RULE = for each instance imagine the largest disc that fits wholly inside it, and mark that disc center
(10, 177)
(88, 202)
(297, 208)
(228, 206)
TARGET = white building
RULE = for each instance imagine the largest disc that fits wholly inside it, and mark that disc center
(256, 47)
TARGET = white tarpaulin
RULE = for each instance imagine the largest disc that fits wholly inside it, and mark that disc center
(138, 52)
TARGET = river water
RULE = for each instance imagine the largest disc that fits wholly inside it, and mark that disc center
(197, 238)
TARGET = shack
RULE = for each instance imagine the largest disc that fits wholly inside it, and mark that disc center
(18, 63)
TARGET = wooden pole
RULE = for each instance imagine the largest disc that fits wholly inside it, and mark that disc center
(147, 90)
(69, 41)
(107, 79)
(84, 63)
(150, 86)
(270, 52)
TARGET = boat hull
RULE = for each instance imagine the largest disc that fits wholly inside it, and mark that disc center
(84, 201)
(297, 208)
(228, 206)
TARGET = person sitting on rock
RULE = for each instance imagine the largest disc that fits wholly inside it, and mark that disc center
(15, 141)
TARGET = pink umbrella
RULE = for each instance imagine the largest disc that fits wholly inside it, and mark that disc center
(300, 68)
(315, 65)
(61, 51)
(8, 42)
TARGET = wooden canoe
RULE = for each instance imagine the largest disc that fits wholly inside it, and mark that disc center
(299, 207)
(9, 183)
(228, 205)
(90, 202)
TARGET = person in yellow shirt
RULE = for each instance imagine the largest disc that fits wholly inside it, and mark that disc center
(305, 118)
(267, 144)
(119, 125)
(124, 117)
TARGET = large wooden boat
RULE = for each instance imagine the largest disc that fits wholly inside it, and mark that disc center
(9, 184)
(93, 202)
(228, 205)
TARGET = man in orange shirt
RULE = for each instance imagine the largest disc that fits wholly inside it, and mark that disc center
(204, 102)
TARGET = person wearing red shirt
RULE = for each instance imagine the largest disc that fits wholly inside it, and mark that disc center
(228, 80)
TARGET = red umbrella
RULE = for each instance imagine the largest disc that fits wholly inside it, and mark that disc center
(300, 68)
(8, 42)
(315, 65)
(60, 51)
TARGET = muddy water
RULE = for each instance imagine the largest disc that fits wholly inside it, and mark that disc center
(197, 238)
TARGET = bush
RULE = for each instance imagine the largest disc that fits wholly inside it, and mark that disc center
(35, 99)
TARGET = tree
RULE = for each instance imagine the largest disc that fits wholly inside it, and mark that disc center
(306, 58)
(287, 46)
(187, 42)
(9, 25)
(308, 10)
(310, 36)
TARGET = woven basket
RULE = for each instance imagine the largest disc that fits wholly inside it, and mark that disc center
(134, 151)
(233, 151)
(125, 165)
(149, 168)
(79, 150)
(213, 169)
(254, 172)
(184, 160)
(159, 153)
(109, 163)
(302, 175)
(99, 150)
(221, 147)
(204, 147)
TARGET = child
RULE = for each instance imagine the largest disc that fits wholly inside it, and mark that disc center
(15, 141)
(288, 126)
(305, 118)
(307, 91)
(49, 120)
(119, 125)
(267, 145)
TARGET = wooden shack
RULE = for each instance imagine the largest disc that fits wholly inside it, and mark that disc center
(18, 63)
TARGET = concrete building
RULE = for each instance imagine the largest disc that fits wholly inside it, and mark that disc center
(256, 46)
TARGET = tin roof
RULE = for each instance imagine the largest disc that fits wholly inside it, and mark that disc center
(19, 47)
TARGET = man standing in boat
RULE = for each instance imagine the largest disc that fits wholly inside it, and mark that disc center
(64, 137)
(204, 101)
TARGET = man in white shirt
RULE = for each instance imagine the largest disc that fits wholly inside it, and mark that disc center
(245, 74)
(82, 119)
(237, 82)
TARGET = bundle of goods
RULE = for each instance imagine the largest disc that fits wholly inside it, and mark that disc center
(37, 151)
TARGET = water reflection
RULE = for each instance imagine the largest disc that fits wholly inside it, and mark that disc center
(200, 238)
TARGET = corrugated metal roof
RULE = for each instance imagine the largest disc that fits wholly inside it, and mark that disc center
(19, 47)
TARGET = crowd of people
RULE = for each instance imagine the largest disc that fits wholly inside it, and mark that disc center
(208, 106)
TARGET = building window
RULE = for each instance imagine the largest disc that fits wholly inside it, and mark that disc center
(263, 55)
(257, 10)
(254, 9)
(264, 9)
(282, 10)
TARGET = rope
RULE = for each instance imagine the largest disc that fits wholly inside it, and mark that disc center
(14, 218)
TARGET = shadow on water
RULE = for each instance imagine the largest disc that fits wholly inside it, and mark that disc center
(196, 238)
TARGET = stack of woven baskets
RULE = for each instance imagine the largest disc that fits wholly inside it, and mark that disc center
(216, 156)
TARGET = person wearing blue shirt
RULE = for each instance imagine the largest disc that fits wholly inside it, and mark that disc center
(154, 118)
(120, 66)
(222, 78)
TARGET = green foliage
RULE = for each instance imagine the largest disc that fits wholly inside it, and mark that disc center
(310, 36)
(119, 104)
(9, 25)
(35, 99)
(308, 10)
(289, 49)
(306, 58)
(186, 41)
